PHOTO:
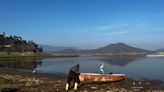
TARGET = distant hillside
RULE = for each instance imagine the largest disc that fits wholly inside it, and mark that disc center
(112, 49)
(15, 43)
(160, 50)
(52, 49)
(118, 48)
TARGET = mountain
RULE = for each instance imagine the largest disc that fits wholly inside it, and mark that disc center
(117, 48)
(52, 49)
(112, 49)
(160, 50)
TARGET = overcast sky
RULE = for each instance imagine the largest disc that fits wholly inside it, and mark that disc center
(85, 23)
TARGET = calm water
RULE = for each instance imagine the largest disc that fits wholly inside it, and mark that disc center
(134, 67)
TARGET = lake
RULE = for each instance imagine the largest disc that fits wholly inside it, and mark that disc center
(140, 68)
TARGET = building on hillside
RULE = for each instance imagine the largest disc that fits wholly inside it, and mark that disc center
(2, 34)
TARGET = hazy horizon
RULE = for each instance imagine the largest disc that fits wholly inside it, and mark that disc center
(98, 46)
(85, 24)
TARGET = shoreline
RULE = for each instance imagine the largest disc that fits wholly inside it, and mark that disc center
(37, 56)
(29, 82)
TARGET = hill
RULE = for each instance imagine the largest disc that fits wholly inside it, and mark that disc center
(112, 49)
(118, 48)
(160, 50)
(15, 44)
(52, 49)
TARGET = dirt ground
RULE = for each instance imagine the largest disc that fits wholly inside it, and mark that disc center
(28, 82)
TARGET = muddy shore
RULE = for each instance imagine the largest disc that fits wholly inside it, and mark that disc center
(28, 82)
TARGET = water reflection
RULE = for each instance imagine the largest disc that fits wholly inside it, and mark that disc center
(119, 60)
(134, 67)
(27, 63)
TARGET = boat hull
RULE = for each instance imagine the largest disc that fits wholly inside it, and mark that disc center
(93, 77)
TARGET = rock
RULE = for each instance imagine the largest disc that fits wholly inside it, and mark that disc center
(28, 84)
(108, 88)
(85, 91)
(139, 82)
(109, 91)
(147, 83)
(58, 81)
(57, 90)
(94, 88)
(122, 89)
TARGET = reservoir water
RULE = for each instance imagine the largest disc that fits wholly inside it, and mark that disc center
(140, 68)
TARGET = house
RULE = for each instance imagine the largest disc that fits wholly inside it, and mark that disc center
(2, 34)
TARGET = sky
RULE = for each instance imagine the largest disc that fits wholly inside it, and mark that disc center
(85, 24)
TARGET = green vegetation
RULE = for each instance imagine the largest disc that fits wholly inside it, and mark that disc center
(15, 47)
(15, 44)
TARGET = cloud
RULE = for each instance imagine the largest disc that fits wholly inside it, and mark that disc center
(118, 33)
(158, 29)
(142, 25)
(103, 28)
(111, 27)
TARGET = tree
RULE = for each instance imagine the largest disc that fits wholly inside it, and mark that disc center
(17, 44)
